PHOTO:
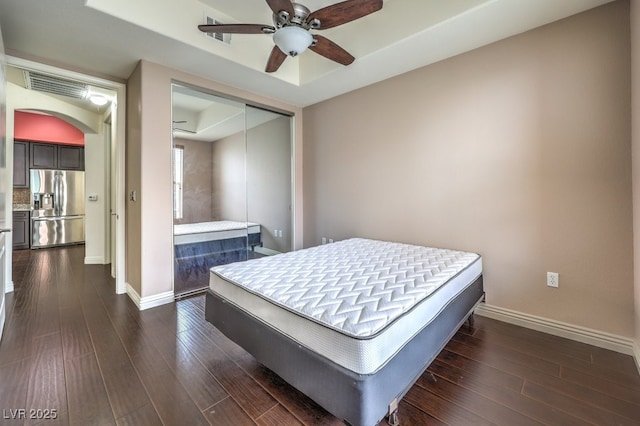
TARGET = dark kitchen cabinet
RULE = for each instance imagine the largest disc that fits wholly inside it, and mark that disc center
(70, 157)
(20, 164)
(20, 230)
(52, 156)
(43, 156)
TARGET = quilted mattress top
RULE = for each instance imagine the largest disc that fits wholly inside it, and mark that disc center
(357, 287)
(217, 226)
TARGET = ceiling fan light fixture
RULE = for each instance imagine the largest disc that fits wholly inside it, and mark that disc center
(292, 40)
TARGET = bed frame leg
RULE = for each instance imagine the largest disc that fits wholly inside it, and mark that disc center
(392, 417)
(471, 320)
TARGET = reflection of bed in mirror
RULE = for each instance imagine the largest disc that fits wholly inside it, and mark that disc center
(200, 246)
(351, 324)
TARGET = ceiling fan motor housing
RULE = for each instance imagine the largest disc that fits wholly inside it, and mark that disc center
(301, 12)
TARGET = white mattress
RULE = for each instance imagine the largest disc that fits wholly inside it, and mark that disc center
(188, 233)
(356, 302)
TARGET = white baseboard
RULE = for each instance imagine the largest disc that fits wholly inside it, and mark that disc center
(133, 295)
(266, 251)
(589, 336)
(150, 301)
(8, 287)
(94, 260)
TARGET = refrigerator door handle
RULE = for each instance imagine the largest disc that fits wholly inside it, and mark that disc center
(45, 219)
(53, 219)
(56, 194)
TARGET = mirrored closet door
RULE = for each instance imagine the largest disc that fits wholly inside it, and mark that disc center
(269, 177)
(232, 184)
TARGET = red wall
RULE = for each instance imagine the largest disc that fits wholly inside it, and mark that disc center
(45, 128)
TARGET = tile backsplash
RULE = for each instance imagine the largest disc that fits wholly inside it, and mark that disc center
(20, 195)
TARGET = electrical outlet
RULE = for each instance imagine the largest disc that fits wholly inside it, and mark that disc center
(330, 240)
(324, 240)
(553, 280)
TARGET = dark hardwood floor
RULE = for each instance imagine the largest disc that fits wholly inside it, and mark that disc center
(73, 347)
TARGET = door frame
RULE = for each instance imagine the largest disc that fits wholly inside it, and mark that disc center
(118, 169)
(5, 219)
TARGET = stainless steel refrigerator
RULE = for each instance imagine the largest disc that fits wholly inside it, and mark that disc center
(57, 200)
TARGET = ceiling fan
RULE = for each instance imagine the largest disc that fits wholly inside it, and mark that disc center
(178, 129)
(292, 25)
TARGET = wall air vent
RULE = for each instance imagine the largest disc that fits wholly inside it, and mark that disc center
(54, 85)
(224, 38)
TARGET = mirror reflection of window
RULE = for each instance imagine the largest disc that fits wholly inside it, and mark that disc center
(178, 181)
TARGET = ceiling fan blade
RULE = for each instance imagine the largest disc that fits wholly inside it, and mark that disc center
(279, 5)
(176, 129)
(276, 59)
(346, 11)
(330, 50)
(237, 29)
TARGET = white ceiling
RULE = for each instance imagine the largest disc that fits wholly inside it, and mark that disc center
(109, 37)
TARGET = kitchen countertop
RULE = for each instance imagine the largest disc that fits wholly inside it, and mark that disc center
(21, 207)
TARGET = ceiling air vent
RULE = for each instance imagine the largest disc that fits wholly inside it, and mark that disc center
(222, 37)
(55, 85)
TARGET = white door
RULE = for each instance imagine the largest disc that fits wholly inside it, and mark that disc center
(5, 188)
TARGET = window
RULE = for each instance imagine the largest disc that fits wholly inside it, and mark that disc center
(178, 180)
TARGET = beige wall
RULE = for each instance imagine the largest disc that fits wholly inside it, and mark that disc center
(635, 126)
(133, 160)
(149, 143)
(197, 187)
(519, 150)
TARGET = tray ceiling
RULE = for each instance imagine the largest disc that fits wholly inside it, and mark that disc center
(109, 37)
